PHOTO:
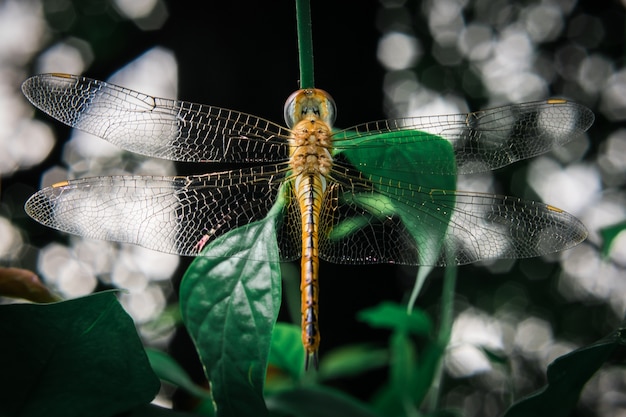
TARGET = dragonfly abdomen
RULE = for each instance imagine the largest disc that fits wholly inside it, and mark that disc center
(309, 192)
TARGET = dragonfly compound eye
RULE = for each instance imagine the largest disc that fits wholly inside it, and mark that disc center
(313, 103)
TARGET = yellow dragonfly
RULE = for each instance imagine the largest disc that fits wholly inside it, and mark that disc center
(379, 192)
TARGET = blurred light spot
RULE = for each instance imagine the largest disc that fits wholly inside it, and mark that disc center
(60, 14)
(472, 333)
(476, 42)
(605, 392)
(586, 30)
(60, 268)
(519, 86)
(397, 51)
(445, 20)
(70, 56)
(126, 274)
(572, 188)
(156, 266)
(466, 360)
(507, 73)
(514, 48)
(134, 9)
(53, 175)
(398, 87)
(31, 144)
(613, 100)
(608, 209)
(22, 29)
(498, 266)
(580, 264)
(612, 159)
(426, 102)
(10, 240)
(572, 151)
(568, 60)
(23, 141)
(146, 14)
(556, 350)
(99, 254)
(75, 280)
(533, 336)
(155, 72)
(588, 278)
(144, 305)
(446, 55)
(593, 73)
(544, 22)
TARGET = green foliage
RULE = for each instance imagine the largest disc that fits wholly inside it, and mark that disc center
(74, 358)
(229, 303)
(608, 236)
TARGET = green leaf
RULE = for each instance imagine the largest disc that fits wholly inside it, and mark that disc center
(352, 360)
(567, 376)
(317, 402)
(402, 373)
(395, 317)
(167, 369)
(287, 352)
(229, 302)
(608, 236)
(425, 211)
(81, 357)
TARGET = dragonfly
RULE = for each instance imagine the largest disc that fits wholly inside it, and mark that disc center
(378, 192)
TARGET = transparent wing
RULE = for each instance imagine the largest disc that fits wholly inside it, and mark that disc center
(178, 215)
(168, 129)
(377, 209)
(407, 224)
(482, 140)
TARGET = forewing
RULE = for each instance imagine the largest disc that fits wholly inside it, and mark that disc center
(162, 128)
(482, 141)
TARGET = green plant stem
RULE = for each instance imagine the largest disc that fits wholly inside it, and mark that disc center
(305, 43)
(445, 330)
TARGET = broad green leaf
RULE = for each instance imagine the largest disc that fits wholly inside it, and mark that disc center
(419, 210)
(567, 376)
(229, 306)
(167, 369)
(317, 402)
(395, 317)
(81, 357)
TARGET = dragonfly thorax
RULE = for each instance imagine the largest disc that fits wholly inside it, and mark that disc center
(311, 142)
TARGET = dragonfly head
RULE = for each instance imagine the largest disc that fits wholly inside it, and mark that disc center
(311, 102)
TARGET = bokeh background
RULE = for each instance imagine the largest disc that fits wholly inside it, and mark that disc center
(378, 59)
